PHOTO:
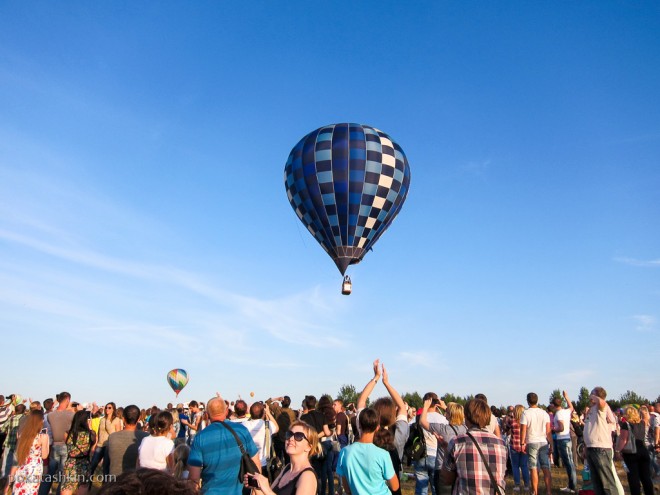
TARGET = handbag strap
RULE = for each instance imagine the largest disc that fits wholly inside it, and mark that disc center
(238, 440)
(483, 458)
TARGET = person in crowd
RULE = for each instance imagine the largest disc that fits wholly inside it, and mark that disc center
(240, 412)
(156, 450)
(393, 414)
(180, 457)
(464, 465)
(319, 422)
(31, 450)
(215, 456)
(6, 410)
(10, 428)
(109, 424)
(297, 477)
(341, 430)
(123, 446)
(519, 458)
(364, 468)
(261, 426)
(284, 419)
(425, 467)
(638, 462)
(536, 435)
(183, 429)
(80, 441)
(443, 432)
(327, 479)
(654, 437)
(194, 424)
(58, 423)
(148, 482)
(598, 424)
(562, 428)
(493, 426)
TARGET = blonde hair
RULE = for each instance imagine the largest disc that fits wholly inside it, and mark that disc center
(455, 414)
(518, 412)
(632, 415)
(312, 436)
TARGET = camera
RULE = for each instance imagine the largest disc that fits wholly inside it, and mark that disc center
(253, 482)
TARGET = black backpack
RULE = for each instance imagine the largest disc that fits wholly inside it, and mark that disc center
(415, 447)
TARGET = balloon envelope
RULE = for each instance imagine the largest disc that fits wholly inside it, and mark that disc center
(347, 182)
(177, 379)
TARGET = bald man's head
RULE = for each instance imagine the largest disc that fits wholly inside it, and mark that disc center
(216, 409)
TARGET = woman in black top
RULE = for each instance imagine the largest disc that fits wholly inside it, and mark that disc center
(297, 478)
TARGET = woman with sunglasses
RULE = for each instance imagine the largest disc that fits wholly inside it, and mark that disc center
(109, 424)
(298, 477)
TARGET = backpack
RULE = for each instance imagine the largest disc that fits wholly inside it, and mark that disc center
(415, 447)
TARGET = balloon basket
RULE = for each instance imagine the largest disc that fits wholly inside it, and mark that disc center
(346, 286)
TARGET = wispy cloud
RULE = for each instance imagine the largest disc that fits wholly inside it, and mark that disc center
(578, 376)
(478, 169)
(645, 323)
(421, 359)
(636, 262)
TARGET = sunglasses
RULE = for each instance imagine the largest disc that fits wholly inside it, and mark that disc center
(298, 436)
(109, 407)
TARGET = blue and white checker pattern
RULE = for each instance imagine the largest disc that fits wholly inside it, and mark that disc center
(346, 183)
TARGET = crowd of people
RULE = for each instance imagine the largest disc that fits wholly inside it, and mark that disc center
(326, 447)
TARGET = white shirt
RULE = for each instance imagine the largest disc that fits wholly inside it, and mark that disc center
(257, 429)
(536, 420)
(563, 415)
(429, 438)
(153, 452)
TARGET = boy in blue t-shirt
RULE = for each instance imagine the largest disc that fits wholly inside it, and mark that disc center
(364, 468)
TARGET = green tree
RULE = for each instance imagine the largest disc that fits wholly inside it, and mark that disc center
(348, 394)
(448, 397)
(631, 397)
(583, 399)
(414, 400)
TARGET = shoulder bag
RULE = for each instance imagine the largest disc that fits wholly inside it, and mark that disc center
(247, 464)
(483, 458)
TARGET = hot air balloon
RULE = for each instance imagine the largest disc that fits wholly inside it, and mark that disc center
(177, 378)
(346, 183)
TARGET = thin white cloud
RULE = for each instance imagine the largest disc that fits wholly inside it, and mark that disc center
(645, 323)
(476, 169)
(575, 377)
(636, 262)
(421, 359)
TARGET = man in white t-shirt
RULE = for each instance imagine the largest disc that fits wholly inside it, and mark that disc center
(562, 427)
(536, 438)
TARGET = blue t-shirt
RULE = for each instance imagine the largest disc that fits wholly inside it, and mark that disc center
(366, 468)
(215, 451)
(183, 428)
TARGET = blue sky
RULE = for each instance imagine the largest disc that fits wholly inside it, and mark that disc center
(144, 224)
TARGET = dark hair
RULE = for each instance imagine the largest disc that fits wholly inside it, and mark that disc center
(193, 403)
(48, 404)
(325, 406)
(62, 396)
(162, 423)
(532, 399)
(114, 410)
(257, 410)
(433, 396)
(20, 409)
(147, 481)
(240, 407)
(600, 392)
(481, 397)
(369, 420)
(131, 414)
(556, 402)
(79, 424)
(286, 401)
(310, 402)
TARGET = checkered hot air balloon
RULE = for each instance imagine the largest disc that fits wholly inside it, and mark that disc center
(346, 183)
(177, 379)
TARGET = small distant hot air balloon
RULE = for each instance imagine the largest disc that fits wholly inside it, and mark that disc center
(251, 394)
(346, 183)
(177, 378)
